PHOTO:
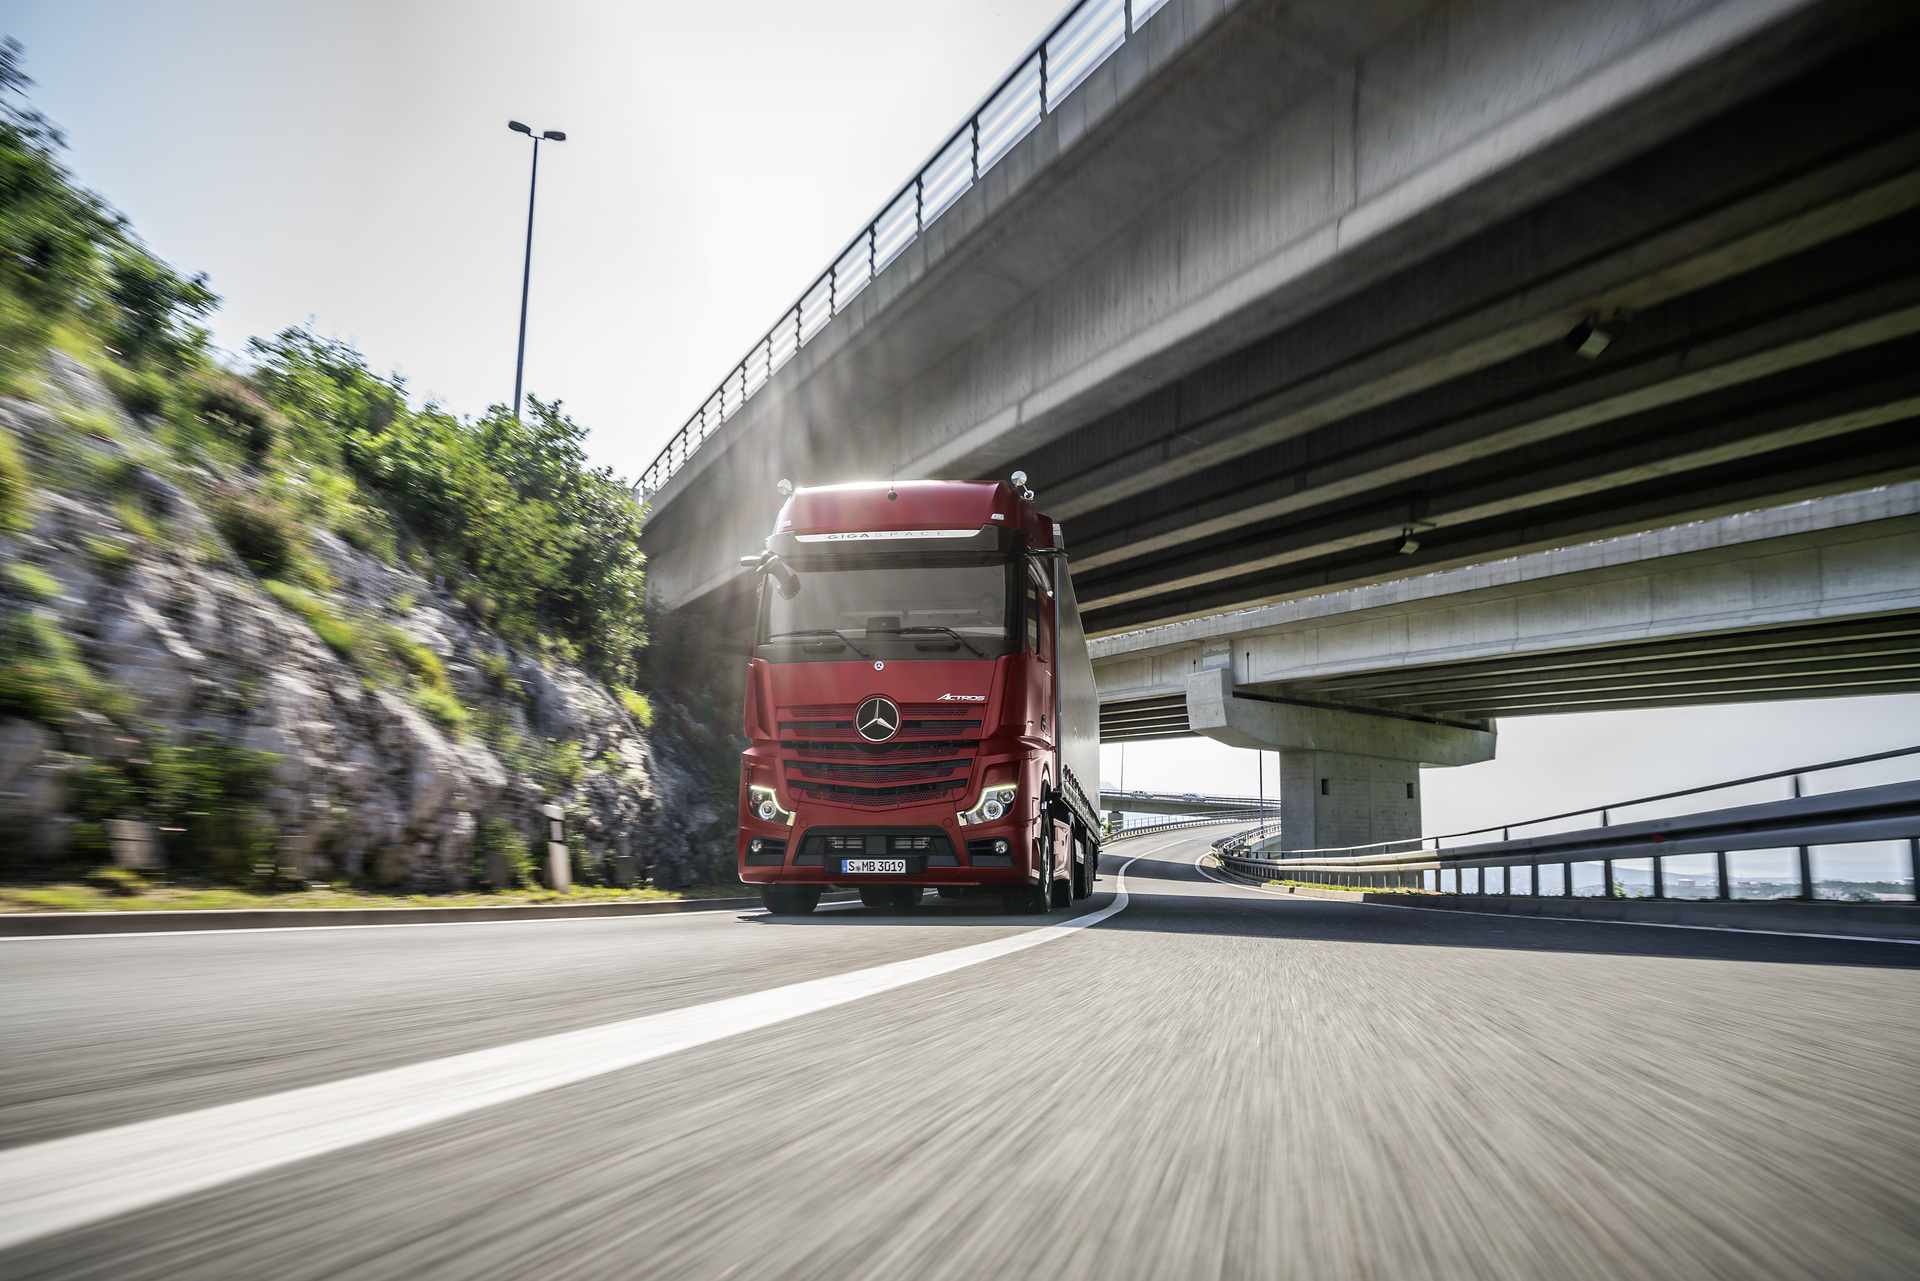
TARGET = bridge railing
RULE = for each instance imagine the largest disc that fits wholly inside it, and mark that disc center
(1082, 38)
(1241, 842)
(1150, 829)
(1858, 816)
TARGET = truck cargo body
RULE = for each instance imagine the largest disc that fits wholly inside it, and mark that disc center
(920, 706)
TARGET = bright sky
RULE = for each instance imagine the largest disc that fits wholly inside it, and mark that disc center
(349, 162)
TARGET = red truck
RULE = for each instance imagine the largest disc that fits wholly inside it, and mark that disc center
(920, 706)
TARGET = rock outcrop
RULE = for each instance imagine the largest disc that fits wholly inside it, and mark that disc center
(367, 783)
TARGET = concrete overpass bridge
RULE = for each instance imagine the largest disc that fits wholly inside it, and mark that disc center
(1333, 333)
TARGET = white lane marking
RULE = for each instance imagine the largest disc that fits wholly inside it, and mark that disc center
(63, 1184)
(1576, 920)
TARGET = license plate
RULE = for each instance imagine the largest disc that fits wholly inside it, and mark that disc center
(854, 866)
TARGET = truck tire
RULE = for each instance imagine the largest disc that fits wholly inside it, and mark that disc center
(790, 900)
(1061, 892)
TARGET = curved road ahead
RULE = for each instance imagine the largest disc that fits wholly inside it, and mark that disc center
(1210, 1082)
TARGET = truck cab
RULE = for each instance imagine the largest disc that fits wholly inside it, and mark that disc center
(905, 702)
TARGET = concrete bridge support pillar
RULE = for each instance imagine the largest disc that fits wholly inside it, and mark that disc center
(1332, 799)
(1348, 776)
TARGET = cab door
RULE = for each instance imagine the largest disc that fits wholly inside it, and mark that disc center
(1037, 620)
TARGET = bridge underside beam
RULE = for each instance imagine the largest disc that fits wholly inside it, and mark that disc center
(1879, 655)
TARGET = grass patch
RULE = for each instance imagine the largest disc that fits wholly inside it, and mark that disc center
(418, 658)
(1355, 889)
(443, 709)
(42, 676)
(16, 484)
(339, 635)
(636, 704)
(34, 583)
(499, 836)
(152, 896)
(134, 519)
(497, 669)
(114, 558)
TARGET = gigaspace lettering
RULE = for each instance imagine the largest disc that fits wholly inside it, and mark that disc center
(857, 536)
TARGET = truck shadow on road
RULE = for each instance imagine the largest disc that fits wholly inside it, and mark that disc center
(933, 913)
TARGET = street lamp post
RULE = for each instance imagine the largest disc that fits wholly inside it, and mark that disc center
(526, 271)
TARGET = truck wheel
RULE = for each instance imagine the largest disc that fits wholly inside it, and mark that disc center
(1082, 875)
(1061, 893)
(1040, 897)
(1027, 900)
(790, 900)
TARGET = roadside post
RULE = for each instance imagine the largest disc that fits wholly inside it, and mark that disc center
(559, 868)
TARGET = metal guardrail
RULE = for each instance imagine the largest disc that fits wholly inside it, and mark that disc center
(1889, 812)
(1078, 42)
(1605, 812)
(1238, 841)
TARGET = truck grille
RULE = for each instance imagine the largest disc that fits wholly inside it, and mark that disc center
(895, 772)
(895, 750)
(927, 760)
(917, 720)
(876, 797)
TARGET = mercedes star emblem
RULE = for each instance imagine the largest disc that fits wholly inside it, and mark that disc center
(877, 719)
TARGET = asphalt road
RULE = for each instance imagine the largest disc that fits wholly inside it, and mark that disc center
(1211, 1082)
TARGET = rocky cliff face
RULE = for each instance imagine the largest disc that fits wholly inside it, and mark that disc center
(366, 781)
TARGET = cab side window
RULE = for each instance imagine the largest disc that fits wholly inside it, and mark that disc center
(1033, 615)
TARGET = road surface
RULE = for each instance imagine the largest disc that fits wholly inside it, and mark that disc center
(1209, 1082)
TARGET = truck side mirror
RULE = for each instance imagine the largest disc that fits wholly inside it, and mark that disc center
(788, 581)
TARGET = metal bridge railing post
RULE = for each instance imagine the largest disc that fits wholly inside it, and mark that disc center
(1606, 873)
(1659, 877)
(1913, 866)
(1566, 880)
(1806, 867)
(1723, 887)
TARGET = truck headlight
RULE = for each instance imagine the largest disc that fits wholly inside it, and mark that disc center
(995, 803)
(765, 806)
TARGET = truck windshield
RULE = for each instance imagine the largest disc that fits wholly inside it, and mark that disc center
(895, 613)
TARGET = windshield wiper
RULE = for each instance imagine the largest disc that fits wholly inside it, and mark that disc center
(823, 631)
(909, 631)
